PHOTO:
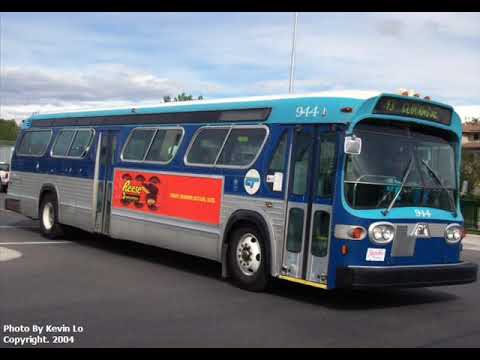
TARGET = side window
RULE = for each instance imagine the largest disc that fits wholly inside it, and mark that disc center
(62, 142)
(278, 162)
(137, 144)
(164, 145)
(205, 147)
(295, 230)
(242, 146)
(326, 166)
(34, 143)
(80, 144)
(320, 231)
(301, 160)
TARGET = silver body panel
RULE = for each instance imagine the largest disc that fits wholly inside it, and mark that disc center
(179, 235)
(74, 196)
(274, 218)
(293, 261)
(318, 266)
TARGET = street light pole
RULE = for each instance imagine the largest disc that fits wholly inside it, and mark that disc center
(292, 59)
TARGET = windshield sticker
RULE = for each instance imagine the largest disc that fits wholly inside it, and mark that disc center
(374, 254)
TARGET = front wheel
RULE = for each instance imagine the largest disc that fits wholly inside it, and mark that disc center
(49, 224)
(247, 259)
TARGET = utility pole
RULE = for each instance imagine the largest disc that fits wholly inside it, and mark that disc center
(292, 59)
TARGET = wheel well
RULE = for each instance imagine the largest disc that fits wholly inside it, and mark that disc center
(46, 189)
(246, 218)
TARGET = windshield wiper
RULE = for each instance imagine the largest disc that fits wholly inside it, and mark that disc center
(440, 182)
(404, 180)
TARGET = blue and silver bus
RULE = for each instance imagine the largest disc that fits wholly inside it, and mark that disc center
(331, 192)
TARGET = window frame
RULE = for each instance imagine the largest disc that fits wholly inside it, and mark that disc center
(31, 155)
(156, 128)
(87, 149)
(230, 128)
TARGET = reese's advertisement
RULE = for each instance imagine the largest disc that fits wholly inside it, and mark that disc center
(185, 197)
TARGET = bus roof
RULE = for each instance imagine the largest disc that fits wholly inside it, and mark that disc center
(292, 108)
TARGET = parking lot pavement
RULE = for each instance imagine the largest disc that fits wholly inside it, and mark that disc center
(471, 242)
(123, 294)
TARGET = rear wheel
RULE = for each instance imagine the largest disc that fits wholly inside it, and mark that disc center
(247, 259)
(49, 224)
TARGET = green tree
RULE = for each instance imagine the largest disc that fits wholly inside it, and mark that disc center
(181, 97)
(8, 130)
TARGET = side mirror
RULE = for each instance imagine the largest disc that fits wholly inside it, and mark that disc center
(353, 145)
(464, 190)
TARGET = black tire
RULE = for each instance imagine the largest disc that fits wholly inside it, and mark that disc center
(56, 230)
(258, 280)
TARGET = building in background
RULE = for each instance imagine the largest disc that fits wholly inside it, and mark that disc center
(471, 137)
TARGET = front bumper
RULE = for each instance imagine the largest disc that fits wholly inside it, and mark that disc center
(406, 276)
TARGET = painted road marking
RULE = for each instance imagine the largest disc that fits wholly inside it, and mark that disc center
(8, 254)
(19, 227)
(34, 242)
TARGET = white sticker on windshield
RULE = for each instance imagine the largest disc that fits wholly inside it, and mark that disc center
(375, 254)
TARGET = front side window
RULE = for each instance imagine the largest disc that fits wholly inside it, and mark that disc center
(242, 146)
(206, 146)
(164, 145)
(62, 142)
(425, 162)
(34, 143)
(138, 144)
(278, 163)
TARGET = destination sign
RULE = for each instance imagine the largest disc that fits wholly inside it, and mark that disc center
(414, 109)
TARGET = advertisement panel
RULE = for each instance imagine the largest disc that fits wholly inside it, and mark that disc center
(187, 197)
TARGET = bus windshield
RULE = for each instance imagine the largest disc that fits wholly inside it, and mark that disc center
(425, 163)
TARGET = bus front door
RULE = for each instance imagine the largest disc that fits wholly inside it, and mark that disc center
(103, 184)
(309, 206)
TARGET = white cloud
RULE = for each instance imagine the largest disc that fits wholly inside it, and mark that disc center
(27, 90)
(53, 60)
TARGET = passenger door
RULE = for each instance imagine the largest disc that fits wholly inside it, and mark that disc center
(103, 179)
(308, 221)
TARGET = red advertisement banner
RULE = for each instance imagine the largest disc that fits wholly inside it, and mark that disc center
(186, 197)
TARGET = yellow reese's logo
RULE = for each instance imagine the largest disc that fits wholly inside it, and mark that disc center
(132, 192)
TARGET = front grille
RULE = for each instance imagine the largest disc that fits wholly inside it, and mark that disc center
(403, 244)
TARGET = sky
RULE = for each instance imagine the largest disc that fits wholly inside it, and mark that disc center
(63, 61)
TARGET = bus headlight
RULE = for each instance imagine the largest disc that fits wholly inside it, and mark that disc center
(381, 233)
(454, 233)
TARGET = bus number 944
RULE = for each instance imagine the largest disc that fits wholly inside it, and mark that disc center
(423, 213)
(307, 111)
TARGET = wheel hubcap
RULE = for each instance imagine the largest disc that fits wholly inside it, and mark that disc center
(48, 216)
(249, 254)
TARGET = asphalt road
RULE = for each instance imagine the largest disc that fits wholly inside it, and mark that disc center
(124, 294)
